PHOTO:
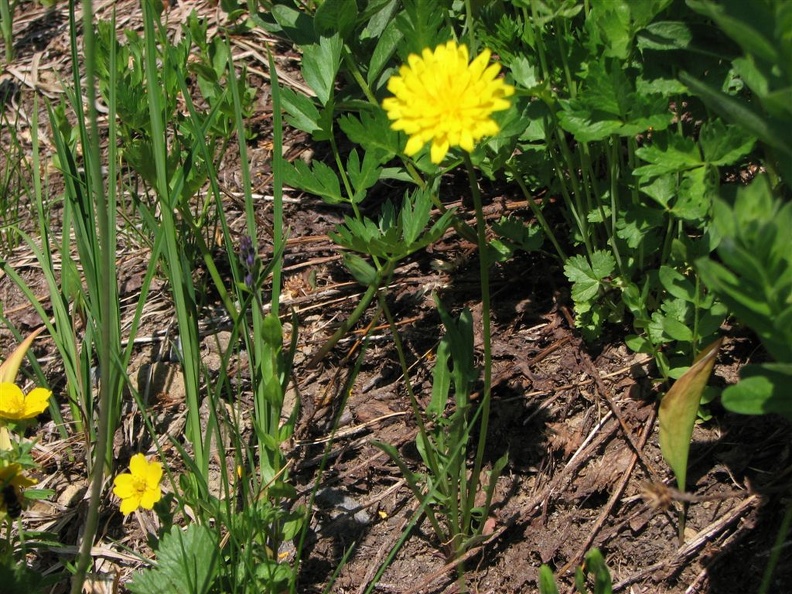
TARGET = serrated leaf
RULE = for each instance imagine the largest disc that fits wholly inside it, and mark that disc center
(320, 63)
(724, 145)
(696, 191)
(321, 181)
(608, 105)
(372, 131)
(362, 175)
(638, 226)
(525, 73)
(420, 22)
(678, 411)
(415, 215)
(587, 276)
(186, 561)
(301, 112)
(669, 153)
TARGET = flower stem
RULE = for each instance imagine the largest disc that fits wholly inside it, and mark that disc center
(484, 262)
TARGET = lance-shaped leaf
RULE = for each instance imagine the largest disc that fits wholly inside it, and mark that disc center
(8, 373)
(678, 412)
(10, 367)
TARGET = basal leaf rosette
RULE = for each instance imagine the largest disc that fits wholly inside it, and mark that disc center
(140, 487)
(442, 98)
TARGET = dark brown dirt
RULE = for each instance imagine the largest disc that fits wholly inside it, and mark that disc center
(577, 421)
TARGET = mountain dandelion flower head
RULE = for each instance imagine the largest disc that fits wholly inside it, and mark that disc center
(140, 487)
(441, 97)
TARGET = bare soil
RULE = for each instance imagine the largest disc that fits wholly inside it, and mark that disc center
(578, 421)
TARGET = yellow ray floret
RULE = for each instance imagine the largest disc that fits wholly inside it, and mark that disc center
(441, 98)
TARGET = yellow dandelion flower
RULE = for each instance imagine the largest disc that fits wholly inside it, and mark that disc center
(140, 486)
(440, 97)
(15, 405)
(12, 483)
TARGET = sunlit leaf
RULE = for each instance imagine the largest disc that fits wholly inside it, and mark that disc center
(678, 411)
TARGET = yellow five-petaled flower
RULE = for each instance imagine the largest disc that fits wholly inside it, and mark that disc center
(440, 97)
(140, 487)
(15, 405)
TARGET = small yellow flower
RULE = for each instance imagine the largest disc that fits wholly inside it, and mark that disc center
(440, 97)
(17, 406)
(12, 481)
(140, 487)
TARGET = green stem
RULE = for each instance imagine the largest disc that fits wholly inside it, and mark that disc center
(536, 211)
(775, 552)
(352, 67)
(486, 330)
(614, 195)
(469, 28)
(107, 301)
(433, 462)
(346, 326)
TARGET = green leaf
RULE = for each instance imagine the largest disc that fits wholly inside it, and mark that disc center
(608, 104)
(296, 24)
(668, 153)
(678, 411)
(525, 73)
(753, 275)
(186, 562)
(724, 145)
(321, 181)
(750, 24)
(547, 583)
(441, 379)
(587, 277)
(638, 344)
(612, 21)
(336, 16)
(762, 389)
(675, 329)
(303, 114)
(386, 46)
(362, 271)
(362, 175)
(371, 130)
(420, 23)
(665, 35)
(320, 63)
(769, 130)
(677, 284)
(379, 16)
(696, 191)
(594, 563)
